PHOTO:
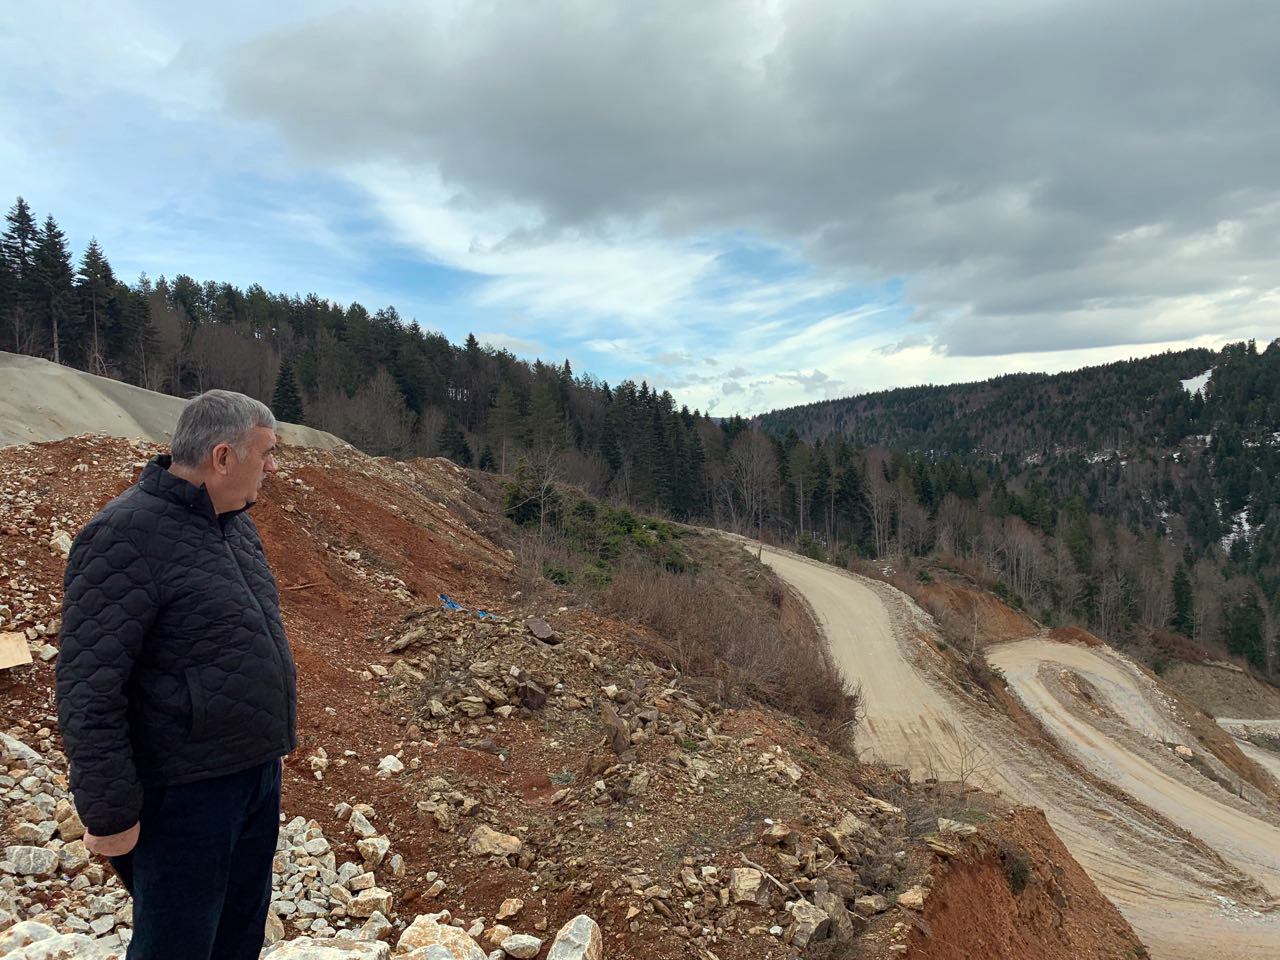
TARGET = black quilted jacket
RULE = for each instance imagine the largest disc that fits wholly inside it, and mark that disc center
(173, 664)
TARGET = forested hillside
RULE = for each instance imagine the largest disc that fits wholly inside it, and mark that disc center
(1091, 409)
(1111, 497)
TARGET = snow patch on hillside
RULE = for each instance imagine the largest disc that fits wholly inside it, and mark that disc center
(1197, 384)
(1239, 528)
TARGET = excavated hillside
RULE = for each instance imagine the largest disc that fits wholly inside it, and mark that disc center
(483, 776)
(1176, 821)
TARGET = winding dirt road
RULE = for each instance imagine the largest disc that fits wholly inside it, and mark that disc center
(1241, 729)
(1193, 868)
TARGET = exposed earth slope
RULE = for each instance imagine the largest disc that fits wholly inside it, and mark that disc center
(1195, 869)
(454, 763)
(42, 401)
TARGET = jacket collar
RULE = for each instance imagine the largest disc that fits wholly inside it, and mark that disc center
(158, 481)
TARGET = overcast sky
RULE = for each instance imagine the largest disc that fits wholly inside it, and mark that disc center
(753, 204)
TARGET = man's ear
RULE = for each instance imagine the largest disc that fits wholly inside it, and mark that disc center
(221, 457)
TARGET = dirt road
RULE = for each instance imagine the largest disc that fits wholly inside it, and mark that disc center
(1269, 760)
(1192, 870)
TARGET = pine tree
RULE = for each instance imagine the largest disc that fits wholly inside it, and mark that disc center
(18, 246)
(54, 283)
(1183, 605)
(801, 468)
(472, 350)
(453, 444)
(96, 285)
(286, 401)
(8, 295)
(609, 447)
(505, 422)
(546, 426)
(486, 461)
(130, 337)
(20, 237)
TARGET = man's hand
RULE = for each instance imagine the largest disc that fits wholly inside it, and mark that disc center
(115, 845)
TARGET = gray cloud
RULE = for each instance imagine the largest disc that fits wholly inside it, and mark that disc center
(1052, 175)
(906, 343)
(817, 381)
(671, 358)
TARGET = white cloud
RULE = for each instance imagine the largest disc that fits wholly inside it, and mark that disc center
(573, 279)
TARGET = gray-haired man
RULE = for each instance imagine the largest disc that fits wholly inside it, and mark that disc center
(176, 687)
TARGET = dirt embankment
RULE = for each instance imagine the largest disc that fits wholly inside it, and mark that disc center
(1224, 690)
(965, 611)
(43, 402)
(1036, 902)
(635, 796)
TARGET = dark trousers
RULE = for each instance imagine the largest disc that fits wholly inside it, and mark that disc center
(201, 872)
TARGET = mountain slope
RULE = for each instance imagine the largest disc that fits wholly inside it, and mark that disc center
(1123, 405)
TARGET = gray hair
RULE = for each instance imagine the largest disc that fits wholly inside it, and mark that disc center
(214, 417)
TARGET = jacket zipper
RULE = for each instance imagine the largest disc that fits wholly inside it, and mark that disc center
(284, 679)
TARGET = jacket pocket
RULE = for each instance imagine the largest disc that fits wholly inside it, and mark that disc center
(199, 706)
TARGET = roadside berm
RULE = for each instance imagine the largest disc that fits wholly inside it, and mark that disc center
(523, 776)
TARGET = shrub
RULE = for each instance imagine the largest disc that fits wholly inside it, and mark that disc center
(1017, 867)
(706, 632)
(807, 546)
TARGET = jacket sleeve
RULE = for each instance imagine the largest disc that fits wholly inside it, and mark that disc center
(109, 604)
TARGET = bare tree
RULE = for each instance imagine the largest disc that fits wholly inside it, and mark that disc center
(584, 470)
(430, 423)
(751, 470)
(1023, 560)
(913, 528)
(536, 476)
(879, 499)
(169, 344)
(957, 523)
(1151, 559)
(226, 359)
(1209, 587)
(376, 419)
(1066, 576)
(1113, 596)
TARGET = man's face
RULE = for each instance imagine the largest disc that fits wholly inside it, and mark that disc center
(245, 474)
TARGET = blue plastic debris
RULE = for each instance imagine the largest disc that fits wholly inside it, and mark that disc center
(453, 605)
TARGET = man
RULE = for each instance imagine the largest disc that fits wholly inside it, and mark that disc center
(177, 690)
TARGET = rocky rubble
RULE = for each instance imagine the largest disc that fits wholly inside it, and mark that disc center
(803, 886)
(48, 878)
(657, 741)
(54, 898)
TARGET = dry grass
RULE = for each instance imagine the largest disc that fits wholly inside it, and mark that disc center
(706, 629)
(721, 618)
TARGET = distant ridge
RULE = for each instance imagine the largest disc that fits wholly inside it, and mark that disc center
(1101, 407)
